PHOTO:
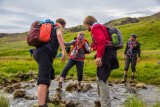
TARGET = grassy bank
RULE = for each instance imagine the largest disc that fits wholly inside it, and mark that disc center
(15, 57)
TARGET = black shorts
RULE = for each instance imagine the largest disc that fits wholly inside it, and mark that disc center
(109, 62)
(44, 58)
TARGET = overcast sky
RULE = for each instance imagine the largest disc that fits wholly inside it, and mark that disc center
(17, 15)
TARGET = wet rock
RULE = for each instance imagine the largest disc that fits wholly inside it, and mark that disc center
(29, 97)
(30, 73)
(56, 99)
(132, 85)
(32, 81)
(62, 104)
(33, 85)
(15, 80)
(116, 81)
(9, 89)
(35, 77)
(110, 84)
(70, 104)
(21, 75)
(1, 87)
(6, 82)
(141, 85)
(26, 86)
(19, 94)
(97, 103)
(71, 87)
(57, 78)
(77, 104)
(130, 89)
(116, 98)
(86, 87)
(93, 79)
(16, 86)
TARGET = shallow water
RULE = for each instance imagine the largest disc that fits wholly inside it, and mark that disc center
(118, 93)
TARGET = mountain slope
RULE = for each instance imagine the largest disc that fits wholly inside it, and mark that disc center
(147, 28)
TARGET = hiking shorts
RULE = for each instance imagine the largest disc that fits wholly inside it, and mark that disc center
(133, 61)
(109, 62)
(44, 58)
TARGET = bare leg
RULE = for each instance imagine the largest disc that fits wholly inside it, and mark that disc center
(42, 90)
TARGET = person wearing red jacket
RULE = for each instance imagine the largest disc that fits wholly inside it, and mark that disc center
(106, 57)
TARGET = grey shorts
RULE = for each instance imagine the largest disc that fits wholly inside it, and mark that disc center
(133, 61)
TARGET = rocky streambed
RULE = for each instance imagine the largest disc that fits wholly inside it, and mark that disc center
(23, 94)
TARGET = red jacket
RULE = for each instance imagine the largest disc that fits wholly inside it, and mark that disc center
(100, 38)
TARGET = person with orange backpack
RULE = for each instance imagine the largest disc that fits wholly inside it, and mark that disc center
(44, 55)
(76, 57)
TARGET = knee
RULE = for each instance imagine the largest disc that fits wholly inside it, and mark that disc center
(126, 68)
(133, 69)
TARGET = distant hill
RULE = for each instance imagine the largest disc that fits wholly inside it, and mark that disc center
(3, 34)
(147, 28)
(76, 28)
(119, 22)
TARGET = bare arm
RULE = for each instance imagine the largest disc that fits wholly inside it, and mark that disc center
(61, 42)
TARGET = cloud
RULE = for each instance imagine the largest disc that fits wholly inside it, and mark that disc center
(17, 16)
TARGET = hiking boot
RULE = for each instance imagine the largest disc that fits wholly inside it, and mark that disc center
(124, 80)
(59, 87)
(132, 79)
(79, 87)
(47, 97)
(97, 103)
(44, 105)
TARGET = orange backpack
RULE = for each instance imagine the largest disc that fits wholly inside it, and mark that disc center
(39, 33)
(45, 32)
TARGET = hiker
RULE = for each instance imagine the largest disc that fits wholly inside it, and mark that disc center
(106, 57)
(44, 56)
(130, 56)
(76, 57)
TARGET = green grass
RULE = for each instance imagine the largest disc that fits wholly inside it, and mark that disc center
(15, 57)
(4, 102)
(134, 102)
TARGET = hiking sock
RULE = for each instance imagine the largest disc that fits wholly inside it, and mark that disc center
(59, 85)
(79, 86)
(132, 79)
(124, 79)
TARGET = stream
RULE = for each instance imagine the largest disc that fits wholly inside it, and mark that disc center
(118, 93)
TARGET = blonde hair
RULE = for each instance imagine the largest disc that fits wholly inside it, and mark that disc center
(89, 20)
(81, 33)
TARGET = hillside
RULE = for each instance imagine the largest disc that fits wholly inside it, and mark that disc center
(15, 56)
(147, 29)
